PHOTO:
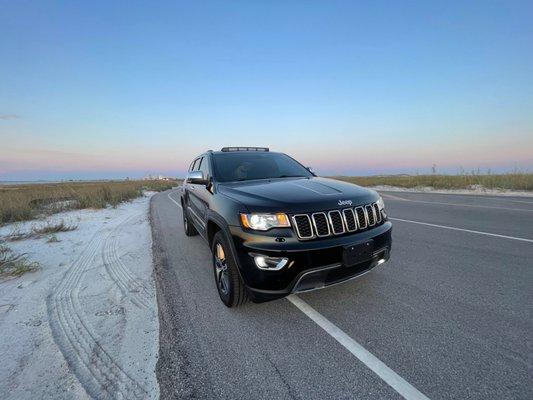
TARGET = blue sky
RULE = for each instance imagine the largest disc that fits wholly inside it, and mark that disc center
(114, 89)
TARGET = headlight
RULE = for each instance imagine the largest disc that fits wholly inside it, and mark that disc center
(381, 204)
(263, 222)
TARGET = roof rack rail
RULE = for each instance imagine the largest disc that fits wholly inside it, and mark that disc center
(226, 149)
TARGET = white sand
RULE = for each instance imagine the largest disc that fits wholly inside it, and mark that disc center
(85, 324)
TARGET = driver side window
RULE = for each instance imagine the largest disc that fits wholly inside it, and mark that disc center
(204, 167)
(194, 165)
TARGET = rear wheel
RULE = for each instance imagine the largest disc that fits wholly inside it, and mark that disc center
(230, 288)
(188, 227)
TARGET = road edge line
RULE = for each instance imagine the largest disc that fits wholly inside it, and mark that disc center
(462, 230)
(391, 378)
(175, 202)
(440, 203)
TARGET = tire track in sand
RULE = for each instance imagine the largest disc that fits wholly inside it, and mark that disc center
(129, 284)
(97, 371)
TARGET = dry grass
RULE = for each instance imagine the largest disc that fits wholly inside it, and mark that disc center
(39, 231)
(54, 228)
(52, 239)
(25, 202)
(514, 181)
(12, 264)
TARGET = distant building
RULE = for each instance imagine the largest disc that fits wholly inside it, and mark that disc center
(157, 178)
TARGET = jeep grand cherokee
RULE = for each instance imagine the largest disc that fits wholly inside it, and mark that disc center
(275, 228)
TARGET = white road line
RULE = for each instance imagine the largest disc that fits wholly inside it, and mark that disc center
(520, 201)
(503, 196)
(463, 230)
(453, 204)
(390, 196)
(400, 385)
(175, 202)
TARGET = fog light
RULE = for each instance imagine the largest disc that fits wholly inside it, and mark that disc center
(269, 263)
(381, 261)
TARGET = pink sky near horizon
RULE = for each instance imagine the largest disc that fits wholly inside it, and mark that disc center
(497, 154)
(34, 146)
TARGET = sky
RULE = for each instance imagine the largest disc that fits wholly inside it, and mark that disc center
(103, 89)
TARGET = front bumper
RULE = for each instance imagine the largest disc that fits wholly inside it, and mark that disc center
(312, 264)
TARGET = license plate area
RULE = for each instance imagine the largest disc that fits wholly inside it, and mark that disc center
(357, 253)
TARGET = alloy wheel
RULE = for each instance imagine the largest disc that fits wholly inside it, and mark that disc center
(221, 270)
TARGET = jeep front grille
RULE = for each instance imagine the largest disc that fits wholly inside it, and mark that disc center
(336, 222)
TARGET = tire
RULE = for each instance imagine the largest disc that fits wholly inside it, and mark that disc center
(228, 282)
(188, 227)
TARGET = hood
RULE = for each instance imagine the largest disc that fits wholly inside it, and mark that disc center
(297, 195)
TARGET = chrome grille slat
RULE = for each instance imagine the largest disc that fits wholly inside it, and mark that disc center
(370, 215)
(377, 212)
(302, 230)
(320, 222)
(362, 221)
(336, 221)
(349, 219)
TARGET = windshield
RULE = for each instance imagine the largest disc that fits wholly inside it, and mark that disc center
(244, 166)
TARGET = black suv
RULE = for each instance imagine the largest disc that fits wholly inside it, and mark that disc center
(275, 228)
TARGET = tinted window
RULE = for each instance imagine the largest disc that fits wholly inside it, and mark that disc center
(204, 166)
(242, 166)
(195, 165)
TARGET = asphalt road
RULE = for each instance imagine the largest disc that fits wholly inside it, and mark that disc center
(450, 316)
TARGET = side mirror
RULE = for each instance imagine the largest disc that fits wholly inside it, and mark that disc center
(196, 178)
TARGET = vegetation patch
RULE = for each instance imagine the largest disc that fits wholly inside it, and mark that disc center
(26, 202)
(39, 231)
(13, 265)
(54, 228)
(52, 239)
(513, 181)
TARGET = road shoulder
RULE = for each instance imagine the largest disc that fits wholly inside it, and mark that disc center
(177, 369)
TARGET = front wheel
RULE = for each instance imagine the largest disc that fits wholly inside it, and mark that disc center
(230, 288)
